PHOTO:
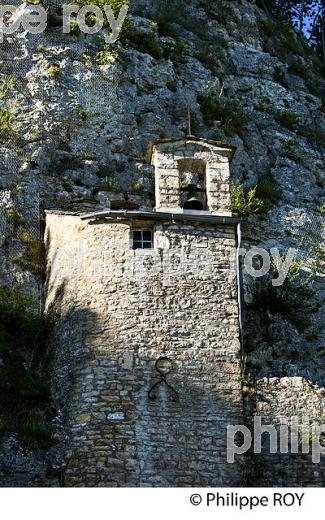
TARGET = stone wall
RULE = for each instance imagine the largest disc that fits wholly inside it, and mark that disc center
(121, 310)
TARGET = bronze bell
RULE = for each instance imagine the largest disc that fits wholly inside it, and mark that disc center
(193, 203)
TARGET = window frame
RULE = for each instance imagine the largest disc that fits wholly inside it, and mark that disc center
(141, 240)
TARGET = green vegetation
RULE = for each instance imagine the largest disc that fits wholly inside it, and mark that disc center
(268, 191)
(111, 184)
(321, 69)
(102, 54)
(67, 186)
(298, 68)
(33, 258)
(105, 56)
(169, 13)
(293, 299)
(89, 156)
(16, 188)
(7, 132)
(116, 6)
(290, 145)
(15, 217)
(41, 48)
(246, 203)
(173, 13)
(53, 18)
(287, 119)
(314, 134)
(249, 344)
(25, 369)
(304, 16)
(317, 254)
(209, 54)
(280, 75)
(227, 112)
(82, 114)
(74, 27)
(284, 39)
(54, 71)
(146, 42)
(55, 15)
(172, 19)
(273, 26)
(244, 376)
(35, 135)
(6, 119)
(173, 50)
(256, 200)
(138, 186)
(247, 387)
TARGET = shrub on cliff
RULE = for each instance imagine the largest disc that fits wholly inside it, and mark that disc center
(116, 6)
(33, 258)
(7, 132)
(24, 369)
(227, 112)
(245, 203)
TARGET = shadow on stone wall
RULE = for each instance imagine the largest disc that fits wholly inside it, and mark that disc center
(114, 434)
(286, 369)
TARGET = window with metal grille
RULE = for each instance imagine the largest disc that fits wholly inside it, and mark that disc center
(142, 239)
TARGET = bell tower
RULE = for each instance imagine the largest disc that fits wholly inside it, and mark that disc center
(148, 340)
(192, 174)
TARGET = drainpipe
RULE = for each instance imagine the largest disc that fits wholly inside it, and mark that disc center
(239, 284)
